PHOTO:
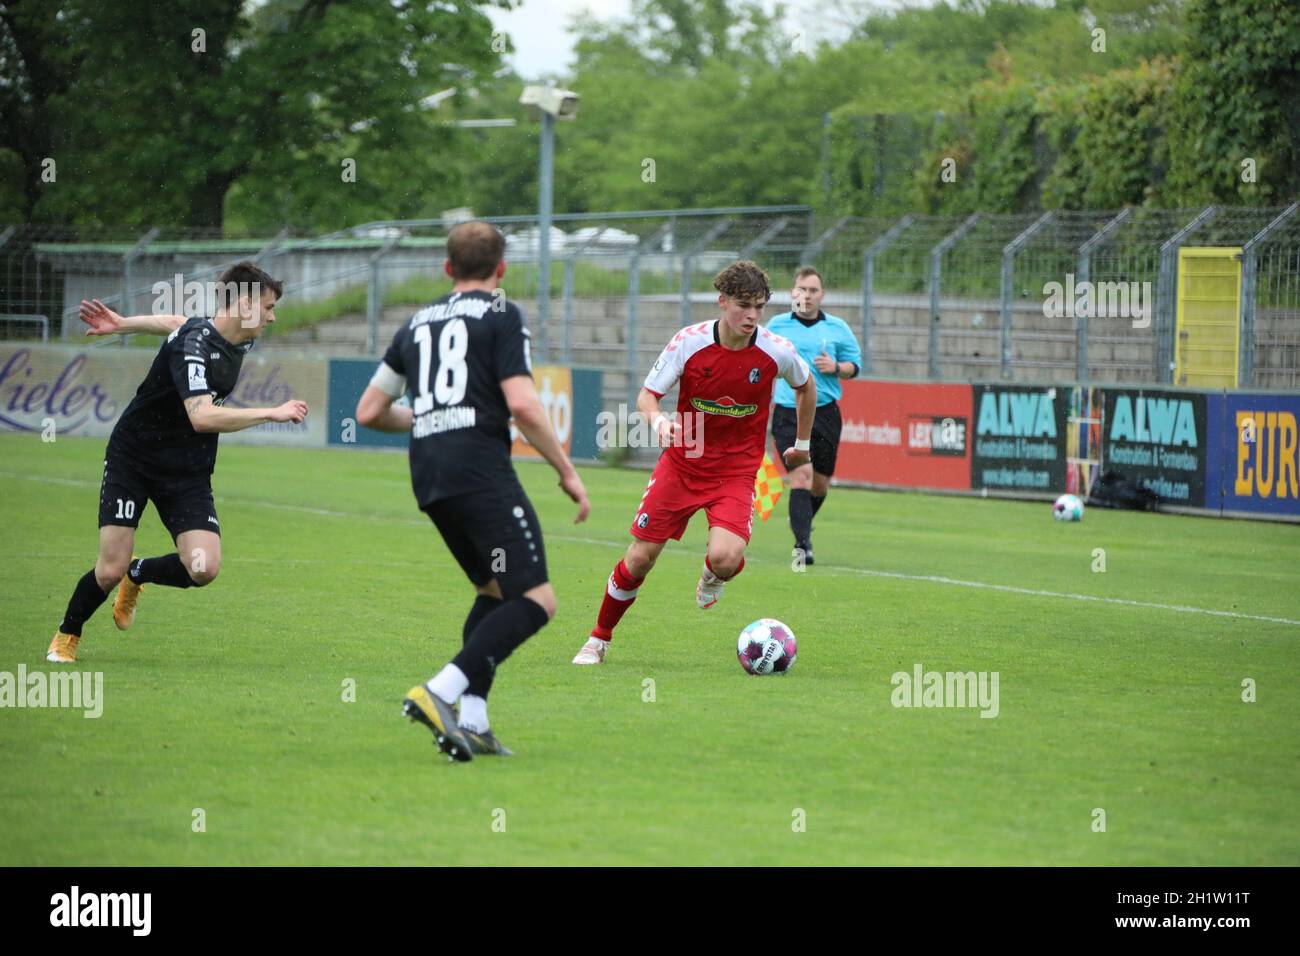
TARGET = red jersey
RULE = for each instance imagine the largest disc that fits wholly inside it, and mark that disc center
(724, 398)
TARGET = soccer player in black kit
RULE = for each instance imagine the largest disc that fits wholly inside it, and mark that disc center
(465, 361)
(164, 447)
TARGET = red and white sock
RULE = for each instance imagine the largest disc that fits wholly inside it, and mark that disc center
(620, 592)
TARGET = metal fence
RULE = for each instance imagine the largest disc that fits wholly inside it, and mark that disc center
(932, 297)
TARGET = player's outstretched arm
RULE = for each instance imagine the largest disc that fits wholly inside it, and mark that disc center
(531, 419)
(805, 409)
(375, 410)
(104, 321)
(207, 417)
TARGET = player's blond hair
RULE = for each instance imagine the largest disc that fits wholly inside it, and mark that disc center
(743, 280)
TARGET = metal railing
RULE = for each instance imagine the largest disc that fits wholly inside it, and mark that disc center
(43, 321)
(932, 297)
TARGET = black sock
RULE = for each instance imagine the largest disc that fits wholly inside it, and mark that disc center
(496, 636)
(801, 500)
(86, 599)
(483, 606)
(169, 570)
(817, 503)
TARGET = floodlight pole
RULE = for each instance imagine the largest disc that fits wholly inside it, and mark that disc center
(545, 180)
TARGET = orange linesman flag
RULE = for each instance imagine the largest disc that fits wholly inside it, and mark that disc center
(767, 488)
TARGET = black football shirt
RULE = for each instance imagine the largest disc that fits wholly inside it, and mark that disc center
(154, 433)
(454, 353)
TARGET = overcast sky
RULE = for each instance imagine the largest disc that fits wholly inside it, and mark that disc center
(538, 28)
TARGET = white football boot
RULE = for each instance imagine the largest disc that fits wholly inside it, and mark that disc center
(709, 589)
(593, 652)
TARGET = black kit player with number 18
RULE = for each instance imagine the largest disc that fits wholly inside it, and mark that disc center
(464, 360)
(164, 447)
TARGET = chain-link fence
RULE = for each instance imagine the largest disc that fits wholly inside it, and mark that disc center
(1084, 296)
(45, 272)
(1271, 298)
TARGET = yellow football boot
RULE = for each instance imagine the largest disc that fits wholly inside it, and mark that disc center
(128, 592)
(439, 717)
(63, 649)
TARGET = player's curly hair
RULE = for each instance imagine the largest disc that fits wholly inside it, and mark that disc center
(743, 280)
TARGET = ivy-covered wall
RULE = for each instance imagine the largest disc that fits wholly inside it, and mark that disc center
(1219, 124)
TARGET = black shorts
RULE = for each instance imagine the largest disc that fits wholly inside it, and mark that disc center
(825, 445)
(494, 534)
(183, 503)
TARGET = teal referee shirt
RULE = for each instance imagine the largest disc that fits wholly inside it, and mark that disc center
(826, 333)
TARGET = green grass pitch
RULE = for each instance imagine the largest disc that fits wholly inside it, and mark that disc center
(230, 699)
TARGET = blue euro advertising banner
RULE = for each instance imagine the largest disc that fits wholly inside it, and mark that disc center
(1253, 466)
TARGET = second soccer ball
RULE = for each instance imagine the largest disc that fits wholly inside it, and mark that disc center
(1068, 508)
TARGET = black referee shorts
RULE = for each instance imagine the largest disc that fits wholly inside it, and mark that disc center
(825, 445)
(184, 503)
(494, 534)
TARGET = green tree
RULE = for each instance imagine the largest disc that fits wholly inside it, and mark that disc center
(41, 49)
(1109, 139)
(497, 167)
(195, 97)
(689, 34)
(1238, 99)
(682, 107)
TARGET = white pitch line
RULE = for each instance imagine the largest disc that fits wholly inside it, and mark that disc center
(866, 572)
(1011, 589)
(956, 582)
(243, 559)
(279, 506)
(50, 480)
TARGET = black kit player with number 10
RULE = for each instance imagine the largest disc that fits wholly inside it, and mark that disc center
(164, 448)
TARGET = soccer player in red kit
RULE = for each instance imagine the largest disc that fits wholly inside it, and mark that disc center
(726, 370)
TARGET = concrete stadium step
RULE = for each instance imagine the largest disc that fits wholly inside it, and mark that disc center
(969, 337)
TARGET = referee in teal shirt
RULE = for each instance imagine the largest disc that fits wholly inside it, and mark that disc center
(829, 347)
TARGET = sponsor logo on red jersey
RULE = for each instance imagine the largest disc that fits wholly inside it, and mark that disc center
(723, 406)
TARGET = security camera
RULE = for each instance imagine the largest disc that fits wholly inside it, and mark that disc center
(562, 104)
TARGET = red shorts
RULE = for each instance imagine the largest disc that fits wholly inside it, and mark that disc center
(672, 497)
